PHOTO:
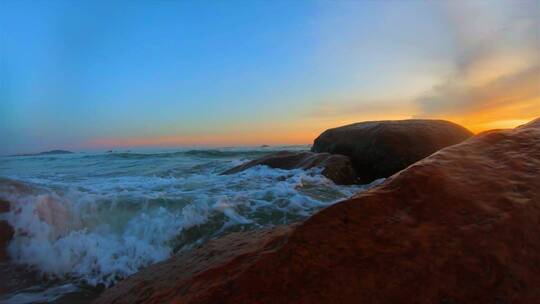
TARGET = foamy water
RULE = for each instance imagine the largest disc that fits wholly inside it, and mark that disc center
(97, 218)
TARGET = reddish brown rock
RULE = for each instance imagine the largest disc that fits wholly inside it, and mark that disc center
(158, 282)
(381, 148)
(338, 168)
(461, 226)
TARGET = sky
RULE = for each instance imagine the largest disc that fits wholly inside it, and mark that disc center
(91, 75)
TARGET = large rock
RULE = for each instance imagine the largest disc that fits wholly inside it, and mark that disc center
(338, 168)
(461, 226)
(381, 148)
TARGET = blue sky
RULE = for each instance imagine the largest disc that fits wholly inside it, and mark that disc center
(103, 74)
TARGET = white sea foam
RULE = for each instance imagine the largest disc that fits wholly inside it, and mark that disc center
(98, 226)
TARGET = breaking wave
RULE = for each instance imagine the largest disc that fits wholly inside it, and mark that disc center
(95, 220)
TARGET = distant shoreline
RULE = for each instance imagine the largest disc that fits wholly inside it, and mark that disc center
(52, 152)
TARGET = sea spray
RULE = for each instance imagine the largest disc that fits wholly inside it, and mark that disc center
(98, 218)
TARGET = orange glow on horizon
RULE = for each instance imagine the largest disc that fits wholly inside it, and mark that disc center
(272, 138)
(254, 139)
(499, 124)
(502, 117)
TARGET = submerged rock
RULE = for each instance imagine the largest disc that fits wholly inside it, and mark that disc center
(6, 231)
(381, 148)
(6, 234)
(338, 168)
(461, 226)
(4, 206)
(13, 187)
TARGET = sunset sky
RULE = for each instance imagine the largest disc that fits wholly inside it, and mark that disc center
(86, 75)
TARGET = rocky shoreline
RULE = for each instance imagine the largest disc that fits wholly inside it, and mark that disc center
(457, 225)
(363, 152)
(460, 226)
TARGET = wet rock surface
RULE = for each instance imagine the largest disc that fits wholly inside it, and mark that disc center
(6, 234)
(6, 231)
(336, 167)
(461, 226)
(188, 270)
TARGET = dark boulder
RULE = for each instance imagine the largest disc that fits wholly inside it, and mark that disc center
(381, 148)
(337, 168)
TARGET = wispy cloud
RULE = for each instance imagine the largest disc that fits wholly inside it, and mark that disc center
(496, 72)
(456, 97)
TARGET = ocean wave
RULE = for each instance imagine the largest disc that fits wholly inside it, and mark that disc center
(101, 229)
(201, 153)
(193, 153)
(224, 154)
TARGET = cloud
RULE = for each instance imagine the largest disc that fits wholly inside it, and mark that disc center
(455, 97)
(496, 73)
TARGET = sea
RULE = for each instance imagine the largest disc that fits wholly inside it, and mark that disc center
(86, 220)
